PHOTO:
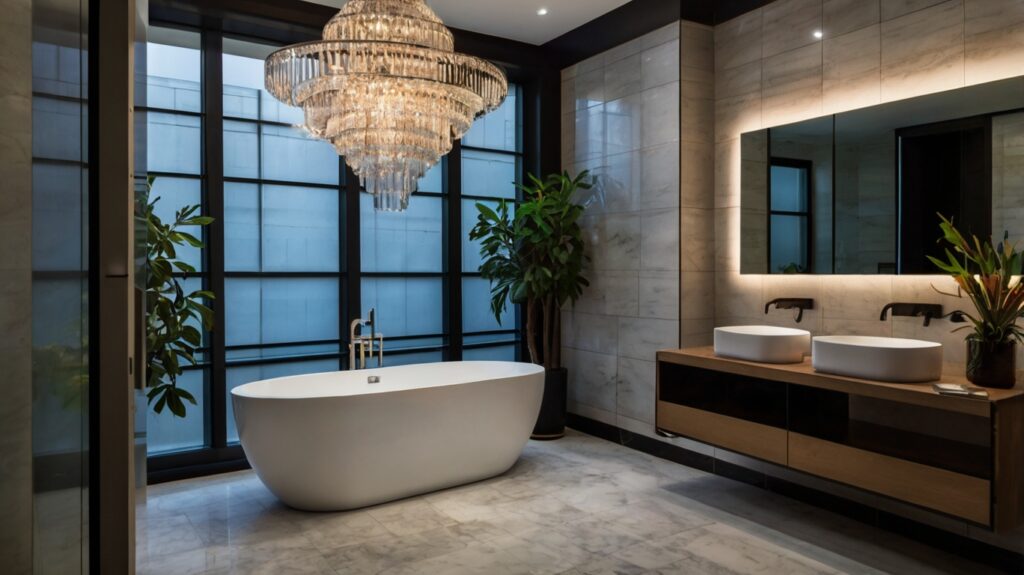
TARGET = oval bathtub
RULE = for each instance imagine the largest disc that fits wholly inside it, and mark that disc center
(333, 441)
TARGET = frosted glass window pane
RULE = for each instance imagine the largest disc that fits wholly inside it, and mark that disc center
(789, 189)
(237, 376)
(241, 227)
(503, 353)
(471, 259)
(174, 143)
(241, 102)
(291, 156)
(476, 308)
(409, 241)
(57, 129)
(242, 311)
(412, 358)
(173, 77)
(57, 211)
(166, 433)
(433, 181)
(175, 194)
(405, 306)
(488, 174)
(280, 310)
(241, 150)
(300, 229)
(497, 130)
(789, 242)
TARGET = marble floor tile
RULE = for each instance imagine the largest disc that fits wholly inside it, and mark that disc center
(576, 506)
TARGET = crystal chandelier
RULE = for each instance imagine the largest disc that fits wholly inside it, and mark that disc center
(387, 89)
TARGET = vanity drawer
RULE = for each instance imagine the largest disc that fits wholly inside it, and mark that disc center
(739, 435)
(945, 491)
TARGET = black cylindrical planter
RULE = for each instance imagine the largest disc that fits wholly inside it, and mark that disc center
(992, 364)
(551, 420)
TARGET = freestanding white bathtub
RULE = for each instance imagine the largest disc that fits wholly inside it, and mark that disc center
(333, 441)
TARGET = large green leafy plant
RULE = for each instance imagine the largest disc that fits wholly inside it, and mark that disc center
(173, 316)
(533, 255)
(989, 277)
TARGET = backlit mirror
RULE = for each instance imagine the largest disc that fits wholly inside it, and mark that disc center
(858, 192)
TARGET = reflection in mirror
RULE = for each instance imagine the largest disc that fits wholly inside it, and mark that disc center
(859, 192)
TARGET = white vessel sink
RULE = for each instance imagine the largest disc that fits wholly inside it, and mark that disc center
(878, 358)
(762, 343)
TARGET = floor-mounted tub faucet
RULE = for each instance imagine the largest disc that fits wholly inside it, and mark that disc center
(366, 343)
(800, 304)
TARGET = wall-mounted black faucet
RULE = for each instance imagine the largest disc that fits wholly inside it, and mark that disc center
(791, 303)
(928, 311)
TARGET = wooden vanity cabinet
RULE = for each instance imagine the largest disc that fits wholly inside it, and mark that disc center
(957, 456)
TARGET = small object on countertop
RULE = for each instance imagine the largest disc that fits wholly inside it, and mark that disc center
(373, 379)
(960, 390)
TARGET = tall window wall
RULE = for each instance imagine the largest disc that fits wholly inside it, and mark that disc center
(303, 250)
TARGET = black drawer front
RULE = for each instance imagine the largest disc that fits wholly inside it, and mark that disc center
(738, 396)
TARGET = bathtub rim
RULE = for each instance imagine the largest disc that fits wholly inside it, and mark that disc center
(531, 369)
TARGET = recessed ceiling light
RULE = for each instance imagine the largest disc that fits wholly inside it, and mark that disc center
(818, 34)
(542, 12)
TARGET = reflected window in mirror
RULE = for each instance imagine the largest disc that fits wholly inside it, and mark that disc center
(789, 221)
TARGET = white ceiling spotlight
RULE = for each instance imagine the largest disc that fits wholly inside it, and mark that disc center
(542, 11)
(818, 34)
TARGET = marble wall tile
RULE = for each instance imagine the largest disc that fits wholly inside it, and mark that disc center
(660, 177)
(738, 296)
(697, 46)
(843, 16)
(614, 241)
(804, 286)
(625, 123)
(588, 89)
(697, 173)
(661, 115)
(635, 395)
(738, 41)
(699, 295)
(568, 150)
(592, 378)
(623, 77)
(666, 33)
(590, 332)
(659, 295)
(16, 493)
(696, 332)
(660, 65)
(622, 52)
(727, 240)
(590, 135)
(792, 85)
(738, 100)
(895, 8)
(994, 39)
(640, 338)
(619, 184)
(696, 237)
(728, 167)
(697, 119)
(612, 293)
(852, 74)
(790, 24)
(923, 52)
(855, 297)
(660, 243)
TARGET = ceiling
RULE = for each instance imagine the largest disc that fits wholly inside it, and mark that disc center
(515, 19)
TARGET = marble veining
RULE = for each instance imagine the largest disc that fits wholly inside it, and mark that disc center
(579, 506)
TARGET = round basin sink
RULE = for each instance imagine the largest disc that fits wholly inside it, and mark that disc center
(878, 358)
(762, 343)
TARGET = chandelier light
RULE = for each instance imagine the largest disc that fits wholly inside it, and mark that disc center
(387, 89)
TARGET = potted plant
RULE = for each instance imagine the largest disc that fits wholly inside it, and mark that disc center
(173, 315)
(533, 255)
(989, 276)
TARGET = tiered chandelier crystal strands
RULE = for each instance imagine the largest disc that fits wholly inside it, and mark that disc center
(387, 89)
